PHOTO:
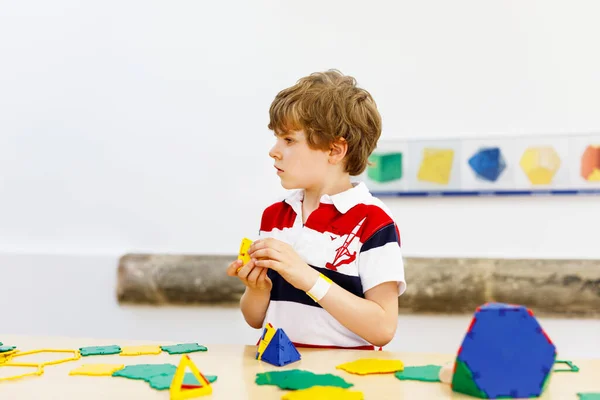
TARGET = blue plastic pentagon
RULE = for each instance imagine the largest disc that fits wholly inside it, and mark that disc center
(488, 163)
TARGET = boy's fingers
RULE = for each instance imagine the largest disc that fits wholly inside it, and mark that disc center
(234, 267)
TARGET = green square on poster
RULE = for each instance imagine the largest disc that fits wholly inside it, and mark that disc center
(385, 167)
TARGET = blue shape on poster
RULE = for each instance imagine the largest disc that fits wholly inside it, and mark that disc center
(488, 163)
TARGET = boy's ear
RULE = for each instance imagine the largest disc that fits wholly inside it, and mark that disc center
(338, 150)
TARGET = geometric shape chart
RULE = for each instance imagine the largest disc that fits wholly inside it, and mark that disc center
(385, 167)
(540, 164)
(505, 353)
(590, 164)
(488, 164)
(436, 165)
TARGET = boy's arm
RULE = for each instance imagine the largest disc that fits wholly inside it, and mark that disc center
(254, 304)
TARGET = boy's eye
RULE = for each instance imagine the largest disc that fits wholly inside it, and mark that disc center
(288, 140)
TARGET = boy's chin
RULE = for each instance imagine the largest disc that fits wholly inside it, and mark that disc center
(289, 185)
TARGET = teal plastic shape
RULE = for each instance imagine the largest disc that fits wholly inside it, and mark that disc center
(386, 167)
(99, 350)
(183, 348)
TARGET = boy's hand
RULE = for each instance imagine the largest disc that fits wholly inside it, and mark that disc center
(281, 257)
(253, 277)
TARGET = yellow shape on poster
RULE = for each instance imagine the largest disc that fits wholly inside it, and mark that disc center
(594, 176)
(367, 366)
(140, 350)
(97, 369)
(324, 393)
(436, 165)
(269, 332)
(540, 164)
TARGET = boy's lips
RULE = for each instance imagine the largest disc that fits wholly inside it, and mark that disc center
(278, 169)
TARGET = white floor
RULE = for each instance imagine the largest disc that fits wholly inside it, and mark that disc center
(74, 296)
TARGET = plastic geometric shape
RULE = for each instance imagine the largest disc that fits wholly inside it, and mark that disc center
(280, 350)
(243, 253)
(99, 350)
(5, 349)
(145, 371)
(505, 353)
(140, 350)
(424, 373)
(385, 167)
(367, 366)
(4, 357)
(488, 163)
(297, 379)
(540, 164)
(265, 338)
(436, 166)
(183, 348)
(39, 370)
(97, 369)
(589, 396)
(324, 393)
(570, 366)
(590, 164)
(179, 391)
(75, 357)
(163, 382)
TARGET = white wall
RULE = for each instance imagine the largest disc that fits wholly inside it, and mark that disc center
(141, 125)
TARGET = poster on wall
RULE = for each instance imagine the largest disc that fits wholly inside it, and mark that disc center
(548, 165)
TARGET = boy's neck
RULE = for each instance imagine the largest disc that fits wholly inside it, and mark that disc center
(312, 196)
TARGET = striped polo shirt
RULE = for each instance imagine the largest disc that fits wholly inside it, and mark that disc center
(350, 238)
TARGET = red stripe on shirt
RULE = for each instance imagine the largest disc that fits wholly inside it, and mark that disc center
(277, 216)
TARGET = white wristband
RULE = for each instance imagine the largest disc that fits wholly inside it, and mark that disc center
(320, 289)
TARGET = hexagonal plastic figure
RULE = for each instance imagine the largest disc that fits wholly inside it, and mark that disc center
(540, 164)
(505, 353)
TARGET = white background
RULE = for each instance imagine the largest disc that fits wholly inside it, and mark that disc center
(141, 125)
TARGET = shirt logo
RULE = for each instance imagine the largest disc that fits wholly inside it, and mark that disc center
(342, 254)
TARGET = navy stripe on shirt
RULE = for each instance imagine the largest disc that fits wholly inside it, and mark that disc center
(385, 235)
(283, 291)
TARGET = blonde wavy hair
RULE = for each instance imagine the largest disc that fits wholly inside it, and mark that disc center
(329, 106)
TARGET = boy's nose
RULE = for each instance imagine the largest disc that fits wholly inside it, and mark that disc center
(273, 153)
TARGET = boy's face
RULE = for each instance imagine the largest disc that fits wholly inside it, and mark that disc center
(298, 166)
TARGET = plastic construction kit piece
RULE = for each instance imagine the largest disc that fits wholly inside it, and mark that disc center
(424, 373)
(385, 167)
(588, 396)
(97, 369)
(590, 164)
(76, 356)
(276, 348)
(488, 164)
(365, 366)
(505, 353)
(6, 349)
(163, 382)
(99, 350)
(145, 371)
(243, 253)
(540, 164)
(571, 367)
(140, 350)
(436, 166)
(183, 348)
(324, 393)
(180, 391)
(297, 379)
(39, 370)
(5, 356)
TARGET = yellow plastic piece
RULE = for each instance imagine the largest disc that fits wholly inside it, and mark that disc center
(140, 350)
(262, 345)
(76, 356)
(323, 393)
(39, 371)
(4, 357)
(367, 366)
(436, 165)
(243, 254)
(177, 392)
(540, 164)
(594, 176)
(97, 369)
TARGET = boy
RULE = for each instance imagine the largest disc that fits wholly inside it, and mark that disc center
(327, 267)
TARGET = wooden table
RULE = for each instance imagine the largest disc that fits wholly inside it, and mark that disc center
(236, 369)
